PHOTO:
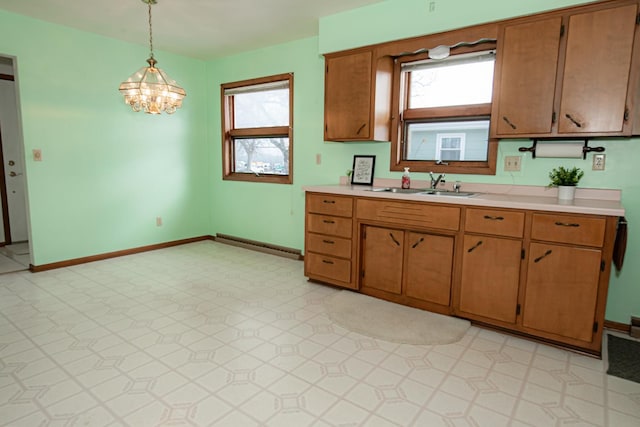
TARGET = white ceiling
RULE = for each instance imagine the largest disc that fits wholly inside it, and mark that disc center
(203, 29)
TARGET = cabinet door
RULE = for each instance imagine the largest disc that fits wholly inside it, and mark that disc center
(348, 97)
(596, 70)
(382, 259)
(428, 265)
(490, 276)
(562, 290)
(527, 77)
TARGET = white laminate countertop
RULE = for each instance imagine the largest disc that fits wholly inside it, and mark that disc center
(587, 201)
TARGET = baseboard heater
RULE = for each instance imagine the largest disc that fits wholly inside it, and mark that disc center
(259, 246)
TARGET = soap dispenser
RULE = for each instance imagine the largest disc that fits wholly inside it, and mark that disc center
(406, 179)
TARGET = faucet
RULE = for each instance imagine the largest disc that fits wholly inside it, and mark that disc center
(436, 181)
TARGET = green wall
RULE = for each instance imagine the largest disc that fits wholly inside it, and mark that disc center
(107, 172)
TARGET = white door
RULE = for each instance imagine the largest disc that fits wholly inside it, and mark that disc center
(13, 163)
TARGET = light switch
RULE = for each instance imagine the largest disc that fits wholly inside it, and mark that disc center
(37, 155)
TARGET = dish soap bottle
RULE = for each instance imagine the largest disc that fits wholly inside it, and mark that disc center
(406, 179)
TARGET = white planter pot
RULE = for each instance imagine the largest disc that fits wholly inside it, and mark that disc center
(566, 192)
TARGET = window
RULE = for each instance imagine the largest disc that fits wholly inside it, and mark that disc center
(257, 137)
(445, 107)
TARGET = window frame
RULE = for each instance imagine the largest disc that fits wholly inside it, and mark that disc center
(230, 133)
(401, 115)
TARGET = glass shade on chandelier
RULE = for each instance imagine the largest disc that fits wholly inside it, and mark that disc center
(150, 89)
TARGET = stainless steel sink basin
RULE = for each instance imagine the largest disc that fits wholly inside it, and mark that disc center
(426, 191)
(448, 193)
(399, 190)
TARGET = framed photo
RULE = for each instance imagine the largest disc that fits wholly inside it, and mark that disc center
(363, 167)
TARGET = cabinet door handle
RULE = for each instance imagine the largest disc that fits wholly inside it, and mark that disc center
(415, 245)
(542, 256)
(507, 121)
(567, 224)
(473, 248)
(494, 218)
(360, 128)
(394, 239)
(326, 261)
(329, 201)
(329, 242)
(574, 121)
(328, 221)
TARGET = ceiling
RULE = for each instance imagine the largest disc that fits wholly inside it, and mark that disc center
(203, 29)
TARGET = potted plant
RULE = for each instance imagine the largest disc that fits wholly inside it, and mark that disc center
(566, 180)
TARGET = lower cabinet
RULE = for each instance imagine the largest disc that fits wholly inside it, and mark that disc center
(540, 274)
(490, 278)
(406, 263)
(562, 291)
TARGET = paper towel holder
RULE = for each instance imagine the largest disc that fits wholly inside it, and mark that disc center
(585, 149)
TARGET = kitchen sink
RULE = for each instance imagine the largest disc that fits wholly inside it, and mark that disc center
(448, 193)
(425, 191)
(399, 190)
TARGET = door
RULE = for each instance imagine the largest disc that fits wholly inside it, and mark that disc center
(562, 290)
(12, 189)
(382, 259)
(490, 277)
(428, 267)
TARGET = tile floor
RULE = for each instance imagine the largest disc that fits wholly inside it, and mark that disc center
(207, 334)
(14, 257)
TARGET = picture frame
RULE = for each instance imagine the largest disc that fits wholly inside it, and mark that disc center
(363, 169)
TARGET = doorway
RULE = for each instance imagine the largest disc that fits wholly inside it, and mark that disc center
(14, 233)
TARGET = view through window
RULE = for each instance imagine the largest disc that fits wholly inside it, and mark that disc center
(257, 133)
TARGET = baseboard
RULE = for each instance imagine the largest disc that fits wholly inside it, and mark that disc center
(617, 326)
(259, 246)
(108, 255)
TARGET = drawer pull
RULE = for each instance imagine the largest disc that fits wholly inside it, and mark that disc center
(329, 201)
(473, 248)
(328, 221)
(494, 218)
(326, 261)
(329, 242)
(507, 121)
(542, 256)
(567, 224)
(394, 239)
(415, 245)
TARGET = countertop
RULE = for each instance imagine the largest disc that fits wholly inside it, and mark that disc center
(588, 201)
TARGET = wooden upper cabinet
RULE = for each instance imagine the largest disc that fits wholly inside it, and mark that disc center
(568, 74)
(526, 84)
(357, 96)
(596, 71)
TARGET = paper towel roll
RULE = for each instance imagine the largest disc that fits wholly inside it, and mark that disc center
(554, 149)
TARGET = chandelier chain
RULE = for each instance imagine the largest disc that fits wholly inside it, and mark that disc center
(150, 32)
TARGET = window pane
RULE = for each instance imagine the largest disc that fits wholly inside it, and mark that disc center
(461, 140)
(269, 156)
(261, 109)
(442, 84)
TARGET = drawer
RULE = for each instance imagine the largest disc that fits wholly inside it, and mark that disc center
(497, 222)
(573, 229)
(327, 267)
(329, 245)
(329, 204)
(332, 225)
(408, 214)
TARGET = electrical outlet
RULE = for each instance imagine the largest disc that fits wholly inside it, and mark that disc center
(512, 163)
(37, 155)
(598, 162)
(432, 6)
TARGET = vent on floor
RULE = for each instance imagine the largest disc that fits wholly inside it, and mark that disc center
(259, 246)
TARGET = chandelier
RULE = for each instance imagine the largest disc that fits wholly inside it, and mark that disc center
(150, 89)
